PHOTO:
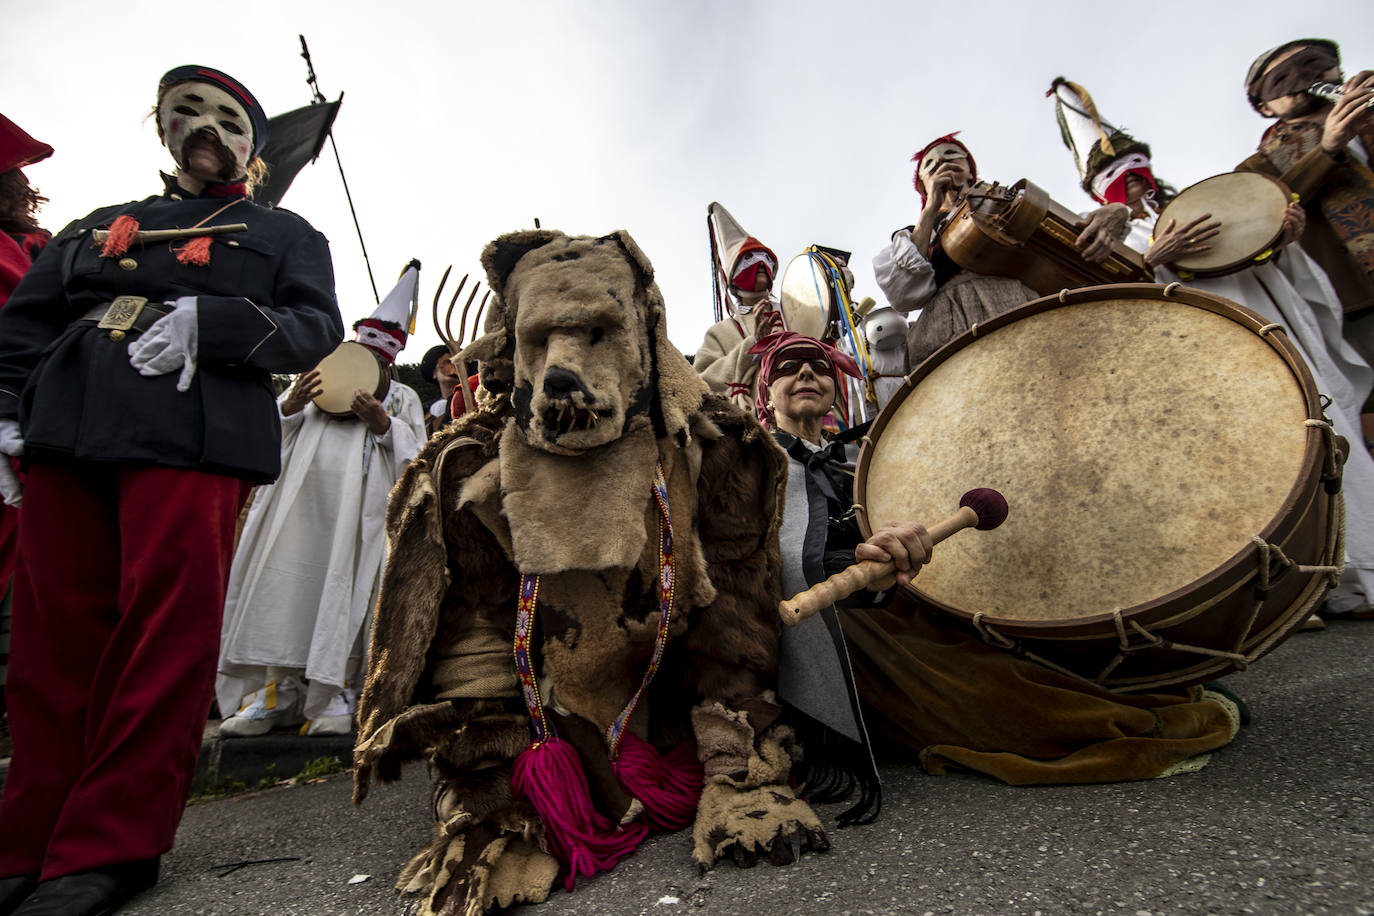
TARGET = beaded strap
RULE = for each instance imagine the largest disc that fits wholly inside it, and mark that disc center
(528, 606)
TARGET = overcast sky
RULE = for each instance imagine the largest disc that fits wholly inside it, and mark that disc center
(462, 121)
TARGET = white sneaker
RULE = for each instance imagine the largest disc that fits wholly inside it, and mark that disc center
(336, 718)
(328, 726)
(276, 705)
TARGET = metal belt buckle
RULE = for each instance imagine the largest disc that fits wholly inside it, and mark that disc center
(122, 313)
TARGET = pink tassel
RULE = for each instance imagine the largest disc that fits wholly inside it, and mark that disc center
(123, 231)
(669, 786)
(550, 775)
(195, 252)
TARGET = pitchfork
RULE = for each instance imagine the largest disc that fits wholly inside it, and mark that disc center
(455, 344)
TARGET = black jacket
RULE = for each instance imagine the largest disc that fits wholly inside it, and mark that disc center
(265, 304)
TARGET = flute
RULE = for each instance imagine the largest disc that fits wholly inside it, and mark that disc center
(149, 236)
(1331, 92)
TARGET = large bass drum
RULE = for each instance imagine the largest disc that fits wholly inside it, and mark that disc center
(351, 366)
(1173, 485)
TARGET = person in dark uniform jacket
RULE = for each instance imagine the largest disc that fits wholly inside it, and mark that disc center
(135, 379)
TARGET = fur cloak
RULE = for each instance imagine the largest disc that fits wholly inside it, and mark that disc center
(480, 506)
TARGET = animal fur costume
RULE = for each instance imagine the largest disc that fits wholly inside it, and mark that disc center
(557, 480)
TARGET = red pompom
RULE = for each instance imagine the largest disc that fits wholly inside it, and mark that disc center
(195, 251)
(668, 786)
(550, 775)
(122, 233)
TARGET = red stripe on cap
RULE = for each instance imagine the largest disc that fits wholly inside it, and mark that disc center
(223, 80)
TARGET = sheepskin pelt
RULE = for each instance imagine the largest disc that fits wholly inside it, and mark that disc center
(532, 484)
(445, 617)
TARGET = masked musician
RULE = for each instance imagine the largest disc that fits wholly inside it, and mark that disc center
(309, 560)
(914, 271)
(1322, 152)
(1289, 289)
(742, 273)
(144, 435)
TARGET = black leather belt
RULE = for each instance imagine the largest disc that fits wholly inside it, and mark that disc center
(126, 316)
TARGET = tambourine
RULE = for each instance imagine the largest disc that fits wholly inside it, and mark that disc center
(1250, 206)
(351, 366)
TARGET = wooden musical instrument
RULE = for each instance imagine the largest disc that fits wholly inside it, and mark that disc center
(1018, 231)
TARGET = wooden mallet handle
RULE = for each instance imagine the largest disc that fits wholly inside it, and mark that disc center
(981, 508)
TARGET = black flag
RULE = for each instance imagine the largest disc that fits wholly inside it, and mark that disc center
(293, 139)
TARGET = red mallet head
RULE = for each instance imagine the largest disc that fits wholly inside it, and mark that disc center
(989, 505)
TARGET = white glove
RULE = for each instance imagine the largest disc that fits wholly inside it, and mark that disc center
(170, 344)
(11, 446)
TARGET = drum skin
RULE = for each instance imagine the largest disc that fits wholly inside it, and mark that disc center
(351, 366)
(807, 297)
(1250, 206)
(1142, 438)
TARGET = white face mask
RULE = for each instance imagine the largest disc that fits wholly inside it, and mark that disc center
(938, 156)
(188, 108)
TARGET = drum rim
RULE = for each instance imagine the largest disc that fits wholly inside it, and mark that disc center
(831, 311)
(1212, 581)
(383, 380)
(1240, 263)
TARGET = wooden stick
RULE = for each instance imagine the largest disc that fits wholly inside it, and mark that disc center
(147, 236)
(862, 574)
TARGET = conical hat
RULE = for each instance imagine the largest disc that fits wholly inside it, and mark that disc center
(1094, 141)
(731, 240)
(1080, 124)
(402, 303)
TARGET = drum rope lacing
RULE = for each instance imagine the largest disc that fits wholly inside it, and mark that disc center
(989, 635)
(1268, 555)
(1333, 468)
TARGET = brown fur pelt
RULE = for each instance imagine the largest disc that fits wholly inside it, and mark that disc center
(556, 481)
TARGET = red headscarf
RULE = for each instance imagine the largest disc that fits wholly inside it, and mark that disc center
(775, 345)
(921, 154)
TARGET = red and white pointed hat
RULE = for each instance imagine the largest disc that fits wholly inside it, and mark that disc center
(387, 328)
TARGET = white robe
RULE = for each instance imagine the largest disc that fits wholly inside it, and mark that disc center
(1292, 290)
(309, 560)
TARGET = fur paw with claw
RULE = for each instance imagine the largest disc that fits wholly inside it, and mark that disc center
(746, 825)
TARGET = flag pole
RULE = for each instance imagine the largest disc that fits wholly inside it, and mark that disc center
(319, 97)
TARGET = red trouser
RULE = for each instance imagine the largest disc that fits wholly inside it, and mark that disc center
(118, 595)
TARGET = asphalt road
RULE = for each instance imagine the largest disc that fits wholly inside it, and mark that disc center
(1281, 821)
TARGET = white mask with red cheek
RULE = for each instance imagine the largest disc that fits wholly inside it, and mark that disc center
(387, 341)
(189, 108)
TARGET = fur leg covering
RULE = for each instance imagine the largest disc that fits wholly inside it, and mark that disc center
(747, 810)
(487, 843)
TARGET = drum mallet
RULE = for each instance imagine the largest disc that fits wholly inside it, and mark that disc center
(982, 508)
